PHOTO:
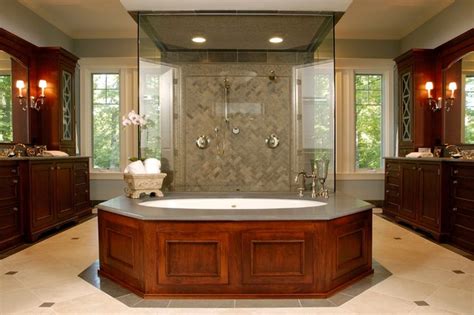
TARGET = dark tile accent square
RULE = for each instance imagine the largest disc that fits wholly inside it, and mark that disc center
(74, 238)
(11, 273)
(316, 303)
(152, 303)
(397, 238)
(47, 304)
(458, 271)
(201, 303)
(421, 303)
(267, 303)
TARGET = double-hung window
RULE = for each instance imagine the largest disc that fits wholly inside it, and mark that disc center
(468, 108)
(6, 128)
(368, 121)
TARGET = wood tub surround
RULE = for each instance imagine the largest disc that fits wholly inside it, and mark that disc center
(235, 259)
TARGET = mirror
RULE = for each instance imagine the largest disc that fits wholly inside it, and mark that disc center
(11, 114)
(459, 120)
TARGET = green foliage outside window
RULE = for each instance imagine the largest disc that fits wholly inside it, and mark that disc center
(6, 128)
(368, 107)
(106, 121)
(469, 109)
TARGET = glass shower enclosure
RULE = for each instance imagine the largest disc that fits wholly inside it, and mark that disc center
(237, 101)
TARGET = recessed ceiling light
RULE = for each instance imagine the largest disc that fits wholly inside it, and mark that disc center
(199, 39)
(275, 40)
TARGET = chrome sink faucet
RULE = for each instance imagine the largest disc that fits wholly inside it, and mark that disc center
(302, 182)
(16, 151)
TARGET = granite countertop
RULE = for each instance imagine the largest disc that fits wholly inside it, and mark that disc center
(39, 158)
(338, 205)
(429, 159)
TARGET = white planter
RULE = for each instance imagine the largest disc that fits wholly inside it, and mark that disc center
(143, 183)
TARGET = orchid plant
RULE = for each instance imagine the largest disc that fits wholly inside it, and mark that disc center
(134, 119)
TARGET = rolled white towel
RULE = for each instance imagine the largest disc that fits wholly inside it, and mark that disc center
(136, 167)
(152, 166)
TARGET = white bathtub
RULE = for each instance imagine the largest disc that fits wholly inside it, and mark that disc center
(232, 203)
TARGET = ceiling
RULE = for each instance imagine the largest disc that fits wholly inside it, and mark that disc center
(363, 19)
(232, 32)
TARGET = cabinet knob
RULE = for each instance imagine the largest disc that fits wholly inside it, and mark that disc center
(413, 167)
(13, 170)
(86, 172)
(455, 209)
(58, 167)
(52, 168)
(15, 181)
(455, 171)
(87, 191)
(455, 182)
(419, 169)
(387, 191)
(15, 209)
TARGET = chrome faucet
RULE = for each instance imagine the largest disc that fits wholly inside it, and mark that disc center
(453, 149)
(18, 152)
(302, 182)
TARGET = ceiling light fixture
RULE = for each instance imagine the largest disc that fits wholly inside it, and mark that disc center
(275, 40)
(199, 39)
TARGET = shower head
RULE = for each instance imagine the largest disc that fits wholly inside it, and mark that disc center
(272, 75)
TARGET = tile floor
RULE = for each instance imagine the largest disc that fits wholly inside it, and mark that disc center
(426, 279)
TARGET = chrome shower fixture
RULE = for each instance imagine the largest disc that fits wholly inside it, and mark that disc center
(272, 75)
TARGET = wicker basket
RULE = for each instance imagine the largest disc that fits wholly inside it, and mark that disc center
(143, 183)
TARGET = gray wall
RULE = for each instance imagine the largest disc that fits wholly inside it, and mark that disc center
(22, 22)
(109, 47)
(364, 48)
(449, 23)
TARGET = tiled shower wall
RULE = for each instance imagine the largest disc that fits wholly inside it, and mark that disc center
(257, 106)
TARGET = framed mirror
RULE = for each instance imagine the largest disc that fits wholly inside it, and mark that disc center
(459, 120)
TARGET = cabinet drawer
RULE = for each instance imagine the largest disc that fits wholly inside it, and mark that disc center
(81, 176)
(392, 166)
(462, 188)
(392, 180)
(9, 220)
(9, 170)
(81, 166)
(462, 171)
(9, 189)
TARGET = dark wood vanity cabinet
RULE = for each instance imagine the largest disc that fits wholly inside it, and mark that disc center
(57, 67)
(11, 214)
(461, 204)
(415, 68)
(58, 193)
(418, 194)
(436, 196)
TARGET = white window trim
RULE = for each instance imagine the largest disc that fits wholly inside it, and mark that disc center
(127, 68)
(345, 115)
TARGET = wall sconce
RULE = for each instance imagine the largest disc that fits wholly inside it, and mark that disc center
(449, 102)
(35, 103)
(436, 104)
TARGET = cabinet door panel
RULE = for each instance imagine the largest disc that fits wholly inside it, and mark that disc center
(429, 201)
(42, 194)
(409, 191)
(10, 221)
(9, 189)
(65, 190)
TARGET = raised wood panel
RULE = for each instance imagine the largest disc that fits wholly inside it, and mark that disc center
(429, 195)
(122, 248)
(42, 195)
(65, 190)
(270, 257)
(10, 223)
(409, 191)
(9, 189)
(193, 258)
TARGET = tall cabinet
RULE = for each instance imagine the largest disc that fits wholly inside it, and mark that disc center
(415, 68)
(57, 66)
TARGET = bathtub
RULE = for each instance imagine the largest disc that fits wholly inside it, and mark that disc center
(232, 203)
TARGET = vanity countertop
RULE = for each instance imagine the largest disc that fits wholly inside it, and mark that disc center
(338, 205)
(40, 158)
(432, 159)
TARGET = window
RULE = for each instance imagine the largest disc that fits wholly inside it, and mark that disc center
(469, 109)
(368, 120)
(6, 128)
(106, 121)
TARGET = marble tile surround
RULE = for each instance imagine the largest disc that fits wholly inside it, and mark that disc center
(257, 106)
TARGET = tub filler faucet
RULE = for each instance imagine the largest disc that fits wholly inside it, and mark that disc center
(302, 183)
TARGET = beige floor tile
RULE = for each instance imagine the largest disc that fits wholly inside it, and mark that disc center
(463, 282)
(63, 290)
(18, 301)
(371, 302)
(407, 289)
(9, 283)
(455, 300)
(430, 310)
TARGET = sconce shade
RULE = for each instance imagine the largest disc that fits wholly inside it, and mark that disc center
(452, 86)
(429, 85)
(20, 84)
(42, 84)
